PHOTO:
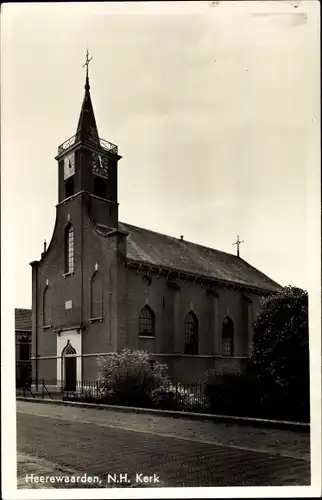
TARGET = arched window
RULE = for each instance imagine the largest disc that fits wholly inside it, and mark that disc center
(100, 187)
(96, 296)
(69, 187)
(146, 322)
(69, 249)
(46, 305)
(227, 340)
(68, 349)
(191, 334)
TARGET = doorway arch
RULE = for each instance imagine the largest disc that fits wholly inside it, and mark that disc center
(69, 367)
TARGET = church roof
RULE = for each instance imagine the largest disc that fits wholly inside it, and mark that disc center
(164, 251)
(23, 319)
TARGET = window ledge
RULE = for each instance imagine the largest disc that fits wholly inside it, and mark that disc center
(47, 327)
(68, 274)
(146, 336)
(93, 320)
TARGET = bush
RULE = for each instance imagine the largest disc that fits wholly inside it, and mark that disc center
(129, 377)
(178, 398)
(275, 384)
(231, 393)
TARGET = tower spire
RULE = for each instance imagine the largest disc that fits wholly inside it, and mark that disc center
(86, 128)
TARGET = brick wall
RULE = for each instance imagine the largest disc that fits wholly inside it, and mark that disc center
(125, 293)
(93, 252)
(171, 306)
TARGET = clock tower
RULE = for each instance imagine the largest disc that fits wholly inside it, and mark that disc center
(87, 166)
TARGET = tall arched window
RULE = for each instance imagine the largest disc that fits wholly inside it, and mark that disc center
(69, 249)
(96, 296)
(100, 187)
(227, 340)
(191, 334)
(69, 187)
(46, 306)
(146, 322)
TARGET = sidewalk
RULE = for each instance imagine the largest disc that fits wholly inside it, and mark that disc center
(293, 444)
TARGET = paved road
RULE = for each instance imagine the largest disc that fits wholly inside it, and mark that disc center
(54, 440)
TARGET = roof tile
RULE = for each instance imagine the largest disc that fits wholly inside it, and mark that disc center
(22, 319)
(166, 251)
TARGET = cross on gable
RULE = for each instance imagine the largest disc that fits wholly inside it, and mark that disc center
(238, 242)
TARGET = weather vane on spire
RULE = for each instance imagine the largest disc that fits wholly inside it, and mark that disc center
(88, 60)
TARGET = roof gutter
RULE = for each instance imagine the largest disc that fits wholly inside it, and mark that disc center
(141, 265)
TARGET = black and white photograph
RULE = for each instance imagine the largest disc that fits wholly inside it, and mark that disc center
(161, 269)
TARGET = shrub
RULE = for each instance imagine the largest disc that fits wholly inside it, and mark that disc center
(177, 397)
(276, 381)
(129, 377)
(231, 393)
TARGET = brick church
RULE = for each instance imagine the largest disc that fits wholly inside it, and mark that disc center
(102, 285)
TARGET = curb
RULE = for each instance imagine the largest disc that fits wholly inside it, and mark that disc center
(258, 422)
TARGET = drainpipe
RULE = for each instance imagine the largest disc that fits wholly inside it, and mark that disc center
(34, 266)
(82, 282)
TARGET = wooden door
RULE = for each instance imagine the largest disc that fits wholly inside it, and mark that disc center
(70, 373)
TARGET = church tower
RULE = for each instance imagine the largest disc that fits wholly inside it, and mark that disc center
(73, 308)
(89, 165)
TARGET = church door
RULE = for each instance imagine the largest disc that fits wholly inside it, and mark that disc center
(70, 367)
(70, 373)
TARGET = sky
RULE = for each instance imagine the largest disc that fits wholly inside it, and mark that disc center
(214, 107)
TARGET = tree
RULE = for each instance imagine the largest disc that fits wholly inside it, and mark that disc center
(280, 362)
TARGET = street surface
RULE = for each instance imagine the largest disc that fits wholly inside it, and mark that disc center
(135, 450)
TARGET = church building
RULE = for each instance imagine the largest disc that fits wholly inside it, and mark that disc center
(103, 285)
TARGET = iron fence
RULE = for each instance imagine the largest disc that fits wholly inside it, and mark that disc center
(168, 396)
(37, 390)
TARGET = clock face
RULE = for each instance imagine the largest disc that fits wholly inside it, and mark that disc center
(100, 165)
(69, 165)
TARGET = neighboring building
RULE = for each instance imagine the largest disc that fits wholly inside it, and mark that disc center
(23, 345)
(103, 285)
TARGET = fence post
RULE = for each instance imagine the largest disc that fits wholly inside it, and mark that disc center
(43, 389)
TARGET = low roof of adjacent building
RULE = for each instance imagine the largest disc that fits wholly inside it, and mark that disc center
(160, 250)
(23, 319)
